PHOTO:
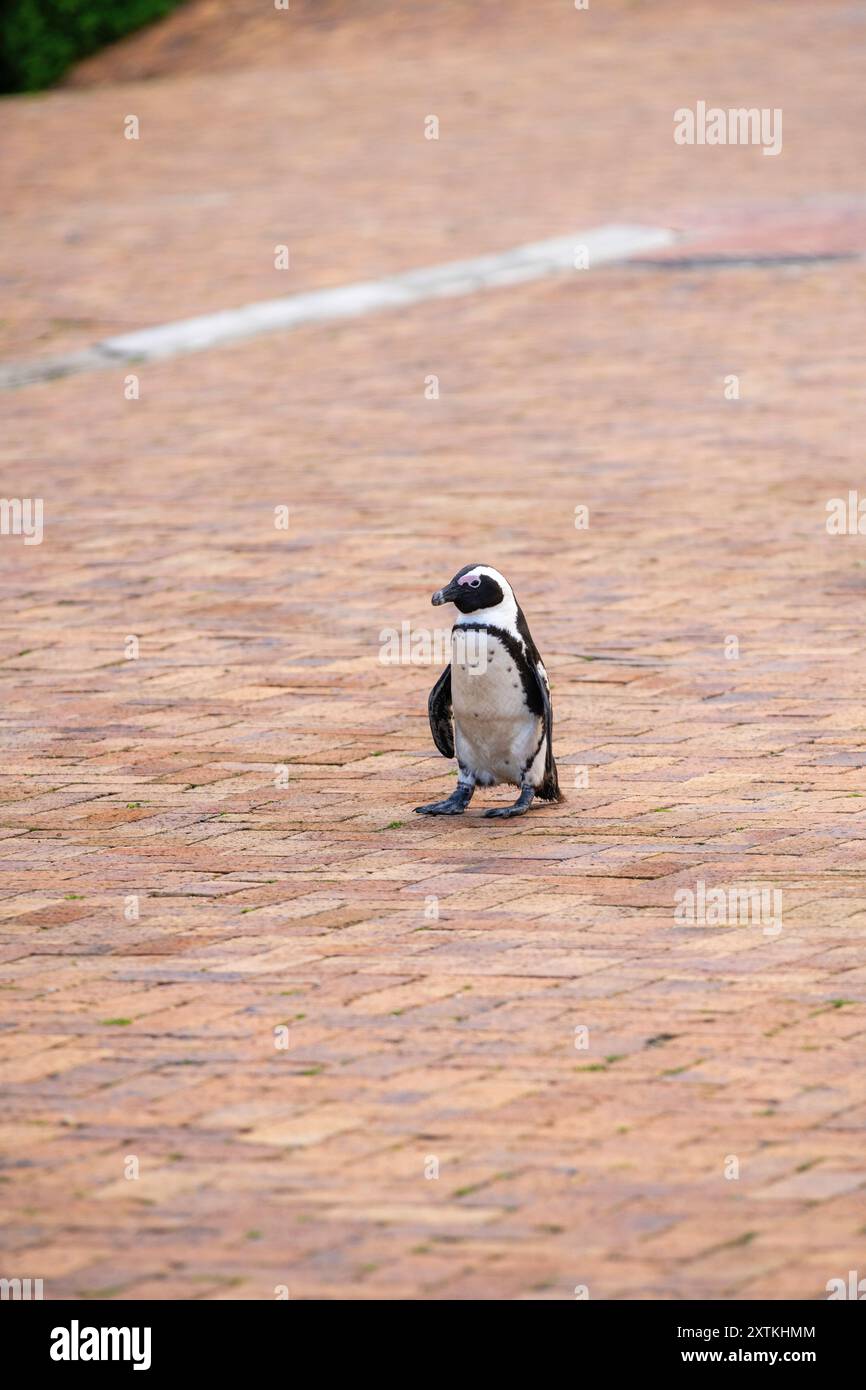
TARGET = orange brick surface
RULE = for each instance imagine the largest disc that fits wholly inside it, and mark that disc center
(431, 1128)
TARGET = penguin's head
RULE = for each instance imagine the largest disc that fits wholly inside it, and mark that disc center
(473, 588)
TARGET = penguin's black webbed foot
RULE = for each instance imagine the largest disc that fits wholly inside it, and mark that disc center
(442, 808)
(454, 806)
(520, 807)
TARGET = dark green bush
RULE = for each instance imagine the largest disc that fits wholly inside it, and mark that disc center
(39, 39)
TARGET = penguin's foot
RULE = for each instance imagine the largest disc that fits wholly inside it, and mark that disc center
(520, 807)
(442, 808)
(454, 806)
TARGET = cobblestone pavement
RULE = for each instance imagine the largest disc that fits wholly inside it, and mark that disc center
(547, 125)
(610, 1098)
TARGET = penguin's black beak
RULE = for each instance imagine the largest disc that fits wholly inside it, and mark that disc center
(446, 595)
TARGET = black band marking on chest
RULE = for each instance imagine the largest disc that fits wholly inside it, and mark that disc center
(528, 678)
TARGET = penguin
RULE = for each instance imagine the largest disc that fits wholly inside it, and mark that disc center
(497, 693)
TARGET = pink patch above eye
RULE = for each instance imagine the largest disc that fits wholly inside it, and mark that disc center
(467, 578)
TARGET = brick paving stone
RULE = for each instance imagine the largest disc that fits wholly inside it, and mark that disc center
(167, 901)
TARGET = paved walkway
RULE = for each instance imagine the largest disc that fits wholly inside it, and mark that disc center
(610, 1099)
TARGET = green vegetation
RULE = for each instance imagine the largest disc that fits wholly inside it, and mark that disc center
(40, 39)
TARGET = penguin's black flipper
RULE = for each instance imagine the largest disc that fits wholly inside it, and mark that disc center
(439, 709)
(549, 788)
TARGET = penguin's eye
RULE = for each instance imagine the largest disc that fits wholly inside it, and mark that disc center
(475, 583)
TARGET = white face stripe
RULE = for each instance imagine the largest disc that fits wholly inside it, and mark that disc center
(502, 614)
(491, 573)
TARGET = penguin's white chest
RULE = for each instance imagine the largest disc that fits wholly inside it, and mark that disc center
(497, 737)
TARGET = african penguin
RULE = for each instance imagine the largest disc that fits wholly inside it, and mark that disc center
(497, 694)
